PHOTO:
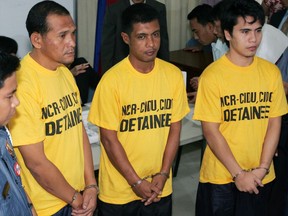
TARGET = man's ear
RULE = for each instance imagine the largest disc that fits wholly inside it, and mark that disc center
(211, 27)
(125, 38)
(227, 35)
(36, 39)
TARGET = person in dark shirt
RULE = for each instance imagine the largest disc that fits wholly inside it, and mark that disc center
(113, 48)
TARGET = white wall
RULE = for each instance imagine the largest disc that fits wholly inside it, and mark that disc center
(13, 15)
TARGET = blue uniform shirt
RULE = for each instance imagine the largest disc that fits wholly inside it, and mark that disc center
(13, 200)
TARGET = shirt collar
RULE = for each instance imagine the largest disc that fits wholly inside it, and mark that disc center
(131, 2)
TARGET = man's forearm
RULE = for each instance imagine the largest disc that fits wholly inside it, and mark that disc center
(52, 180)
(117, 155)
(270, 142)
(88, 161)
(47, 174)
(172, 146)
(220, 148)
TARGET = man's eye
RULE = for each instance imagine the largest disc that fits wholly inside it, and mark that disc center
(156, 34)
(259, 30)
(141, 37)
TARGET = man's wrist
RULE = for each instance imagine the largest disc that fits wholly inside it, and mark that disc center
(92, 186)
(164, 174)
(137, 183)
(234, 177)
(74, 197)
(267, 171)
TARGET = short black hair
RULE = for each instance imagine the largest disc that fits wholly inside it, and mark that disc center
(8, 45)
(219, 9)
(37, 17)
(137, 13)
(203, 14)
(241, 8)
(8, 65)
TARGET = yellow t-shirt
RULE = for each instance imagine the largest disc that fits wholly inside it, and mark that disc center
(49, 112)
(140, 107)
(241, 99)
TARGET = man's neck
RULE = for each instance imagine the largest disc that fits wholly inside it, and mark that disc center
(42, 60)
(239, 60)
(142, 67)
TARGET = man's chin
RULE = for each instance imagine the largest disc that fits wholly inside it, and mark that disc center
(68, 61)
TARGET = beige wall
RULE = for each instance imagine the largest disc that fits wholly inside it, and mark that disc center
(86, 22)
(178, 28)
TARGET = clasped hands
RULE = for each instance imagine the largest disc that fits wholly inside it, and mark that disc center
(85, 204)
(149, 191)
(248, 181)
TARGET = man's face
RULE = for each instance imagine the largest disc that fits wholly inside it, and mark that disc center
(218, 30)
(144, 42)
(204, 34)
(245, 38)
(57, 46)
(8, 99)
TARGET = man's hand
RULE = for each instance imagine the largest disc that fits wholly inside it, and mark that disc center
(77, 201)
(78, 69)
(194, 83)
(89, 203)
(248, 182)
(260, 173)
(157, 186)
(143, 190)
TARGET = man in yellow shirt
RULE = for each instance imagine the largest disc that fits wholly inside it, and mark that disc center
(138, 105)
(49, 137)
(240, 102)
